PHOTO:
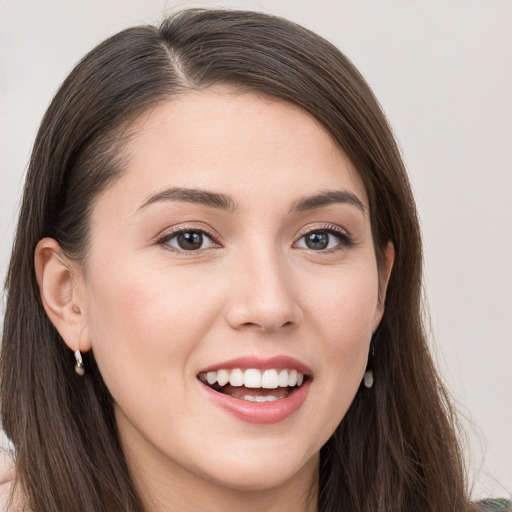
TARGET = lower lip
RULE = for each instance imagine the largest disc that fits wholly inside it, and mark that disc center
(264, 413)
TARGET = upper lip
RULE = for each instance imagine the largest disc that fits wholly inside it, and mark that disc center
(261, 363)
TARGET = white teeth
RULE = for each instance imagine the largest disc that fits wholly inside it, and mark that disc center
(283, 378)
(254, 378)
(222, 377)
(236, 378)
(270, 398)
(269, 379)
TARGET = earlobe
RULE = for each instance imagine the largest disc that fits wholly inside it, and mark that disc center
(58, 287)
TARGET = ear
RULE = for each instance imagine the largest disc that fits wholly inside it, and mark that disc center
(61, 289)
(384, 275)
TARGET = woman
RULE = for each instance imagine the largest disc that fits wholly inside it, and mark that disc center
(214, 294)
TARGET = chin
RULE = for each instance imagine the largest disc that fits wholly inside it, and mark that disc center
(250, 473)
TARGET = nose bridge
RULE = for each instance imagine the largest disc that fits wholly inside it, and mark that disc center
(264, 297)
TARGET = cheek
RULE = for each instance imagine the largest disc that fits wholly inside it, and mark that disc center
(143, 322)
(344, 308)
(343, 316)
(340, 316)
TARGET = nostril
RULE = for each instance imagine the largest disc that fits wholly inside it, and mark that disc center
(266, 327)
(252, 325)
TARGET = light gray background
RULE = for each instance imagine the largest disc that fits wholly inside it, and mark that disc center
(443, 72)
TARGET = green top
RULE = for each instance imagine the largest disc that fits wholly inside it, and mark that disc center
(497, 505)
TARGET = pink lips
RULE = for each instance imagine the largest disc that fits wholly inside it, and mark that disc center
(260, 412)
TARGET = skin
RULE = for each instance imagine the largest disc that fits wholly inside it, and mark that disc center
(156, 315)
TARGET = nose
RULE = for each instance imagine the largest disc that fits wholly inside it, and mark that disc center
(264, 295)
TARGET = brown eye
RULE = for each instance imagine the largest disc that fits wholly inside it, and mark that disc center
(189, 240)
(324, 240)
(317, 241)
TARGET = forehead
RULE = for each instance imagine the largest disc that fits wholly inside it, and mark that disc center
(237, 142)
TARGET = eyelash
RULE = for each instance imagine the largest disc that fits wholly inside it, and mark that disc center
(345, 240)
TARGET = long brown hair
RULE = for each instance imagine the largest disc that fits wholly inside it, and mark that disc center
(396, 449)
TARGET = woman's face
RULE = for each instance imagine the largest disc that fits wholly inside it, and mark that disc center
(237, 245)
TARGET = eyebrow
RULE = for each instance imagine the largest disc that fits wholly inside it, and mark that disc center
(192, 195)
(225, 202)
(326, 198)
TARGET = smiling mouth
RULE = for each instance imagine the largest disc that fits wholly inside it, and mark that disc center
(254, 385)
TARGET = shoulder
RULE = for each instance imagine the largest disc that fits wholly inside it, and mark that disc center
(5, 492)
(495, 505)
(6, 484)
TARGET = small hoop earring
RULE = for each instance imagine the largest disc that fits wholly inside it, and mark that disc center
(368, 379)
(79, 366)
